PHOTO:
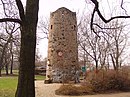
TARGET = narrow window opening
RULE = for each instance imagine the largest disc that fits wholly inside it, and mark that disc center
(74, 27)
(51, 26)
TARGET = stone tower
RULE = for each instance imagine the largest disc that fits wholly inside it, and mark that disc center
(62, 46)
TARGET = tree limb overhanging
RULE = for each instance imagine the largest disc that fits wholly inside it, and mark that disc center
(21, 9)
(122, 2)
(96, 9)
(4, 8)
(11, 20)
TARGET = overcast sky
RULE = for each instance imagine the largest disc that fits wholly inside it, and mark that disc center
(47, 6)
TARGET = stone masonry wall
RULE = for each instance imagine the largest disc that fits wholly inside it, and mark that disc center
(62, 45)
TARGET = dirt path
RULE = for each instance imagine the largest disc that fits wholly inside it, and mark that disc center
(48, 90)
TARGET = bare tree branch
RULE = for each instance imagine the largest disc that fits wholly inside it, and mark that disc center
(96, 3)
(4, 8)
(122, 2)
(91, 23)
(1, 45)
(21, 9)
(112, 18)
(11, 20)
(105, 27)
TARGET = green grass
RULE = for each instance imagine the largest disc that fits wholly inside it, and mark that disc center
(39, 77)
(6, 82)
(8, 85)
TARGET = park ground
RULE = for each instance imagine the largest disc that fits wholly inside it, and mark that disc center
(48, 90)
(8, 88)
(8, 85)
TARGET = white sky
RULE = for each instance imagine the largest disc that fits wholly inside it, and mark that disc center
(47, 6)
(78, 6)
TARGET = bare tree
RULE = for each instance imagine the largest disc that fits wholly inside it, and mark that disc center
(100, 45)
(93, 45)
(28, 21)
(7, 39)
(97, 10)
(43, 26)
(117, 44)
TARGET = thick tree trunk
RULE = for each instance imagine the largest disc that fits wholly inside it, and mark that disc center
(26, 86)
(27, 60)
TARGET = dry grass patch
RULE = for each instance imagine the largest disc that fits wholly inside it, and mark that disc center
(73, 90)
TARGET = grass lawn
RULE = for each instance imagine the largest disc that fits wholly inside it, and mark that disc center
(8, 85)
(39, 77)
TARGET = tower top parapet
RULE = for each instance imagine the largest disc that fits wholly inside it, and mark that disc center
(63, 11)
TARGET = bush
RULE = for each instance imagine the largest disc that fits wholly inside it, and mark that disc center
(101, 82)
(109, 80)
(73, 90)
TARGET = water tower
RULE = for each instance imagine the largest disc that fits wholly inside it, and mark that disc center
(62, 46)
